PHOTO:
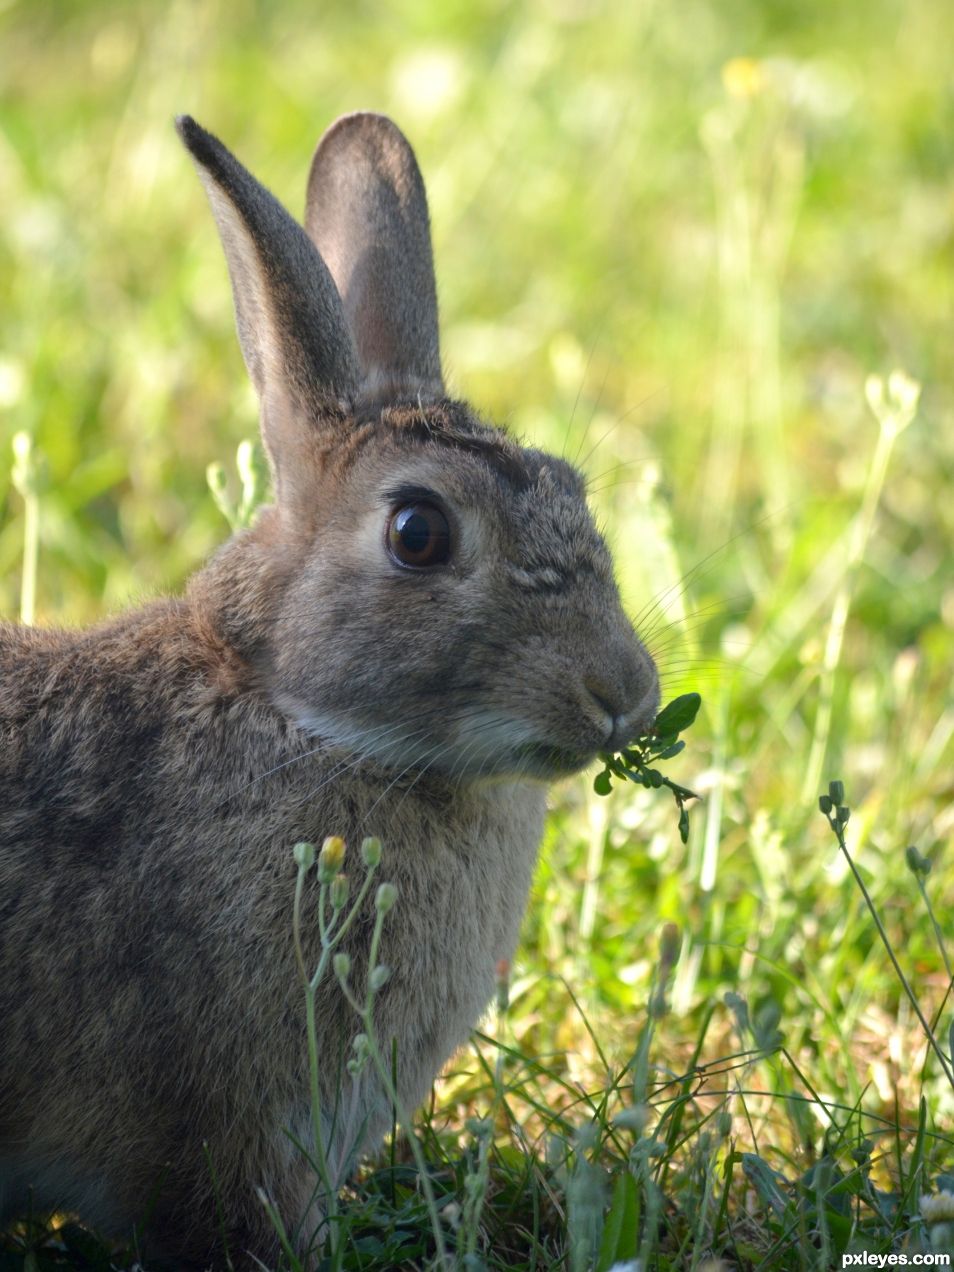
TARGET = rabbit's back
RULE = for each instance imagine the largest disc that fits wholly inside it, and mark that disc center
(108, 955)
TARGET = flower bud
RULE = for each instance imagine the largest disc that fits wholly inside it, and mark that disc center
(385, 897)
(669, 945)
(904, 393)
(502, 976)
(379, 977)
(634, 1117)
(370, 851)
(304, 855)
(331, 858)
(916, 863)
(214, 475)
(362, 1053)
(937, 1207)
(342, 965)
(339, 891)
(874, 393)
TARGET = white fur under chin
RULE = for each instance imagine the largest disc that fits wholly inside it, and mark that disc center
(484, 744)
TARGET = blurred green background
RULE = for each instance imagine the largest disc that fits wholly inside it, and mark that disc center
(673, 241)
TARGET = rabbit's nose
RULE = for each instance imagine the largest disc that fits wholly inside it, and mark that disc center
(605, 696)
(628, 703)
(609, 699)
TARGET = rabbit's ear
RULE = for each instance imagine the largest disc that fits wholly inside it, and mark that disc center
(291, 324)
(366, 211)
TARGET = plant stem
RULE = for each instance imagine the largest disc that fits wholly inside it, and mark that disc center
(928, 1031)
(366, 1014)
(25, 479)
(857, 546)
(31, 554)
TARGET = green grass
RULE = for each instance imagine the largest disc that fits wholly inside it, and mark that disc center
(673, 241)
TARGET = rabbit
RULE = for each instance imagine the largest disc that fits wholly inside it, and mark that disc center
(418, 635)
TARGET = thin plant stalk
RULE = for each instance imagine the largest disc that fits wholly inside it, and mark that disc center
(331, 934)
(837, 819)
(365, 1012)
(894, 414)
(24, 477)
(477, 1182)
(938, 934)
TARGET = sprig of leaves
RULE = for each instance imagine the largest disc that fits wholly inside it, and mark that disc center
(635, 762)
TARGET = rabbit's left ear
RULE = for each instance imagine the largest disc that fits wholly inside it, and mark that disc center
(290, 320)
(366, 211)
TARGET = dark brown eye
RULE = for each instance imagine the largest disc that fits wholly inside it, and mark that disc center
(418, 535)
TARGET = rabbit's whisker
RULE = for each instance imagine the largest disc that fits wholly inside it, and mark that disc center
(345, 766)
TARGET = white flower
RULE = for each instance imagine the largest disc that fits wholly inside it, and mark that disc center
(938, 1207)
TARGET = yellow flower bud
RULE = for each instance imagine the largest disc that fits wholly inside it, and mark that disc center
(331, 858)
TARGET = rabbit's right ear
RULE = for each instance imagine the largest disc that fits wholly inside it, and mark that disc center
(290, 320)
(366, 211)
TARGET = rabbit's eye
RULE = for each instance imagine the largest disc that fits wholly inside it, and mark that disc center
(418, 535)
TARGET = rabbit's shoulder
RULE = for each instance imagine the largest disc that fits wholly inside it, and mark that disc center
(89, 719)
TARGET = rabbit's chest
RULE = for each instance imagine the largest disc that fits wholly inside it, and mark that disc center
(473, 887)
(462, 892)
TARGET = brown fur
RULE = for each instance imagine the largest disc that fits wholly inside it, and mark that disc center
(155, 771)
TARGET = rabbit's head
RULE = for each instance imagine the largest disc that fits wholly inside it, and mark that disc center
(439, 595)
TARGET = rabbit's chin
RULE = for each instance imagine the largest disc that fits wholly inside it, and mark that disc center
(491, 747)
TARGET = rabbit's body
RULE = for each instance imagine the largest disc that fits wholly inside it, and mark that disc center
(420, 633)
(148, 983)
